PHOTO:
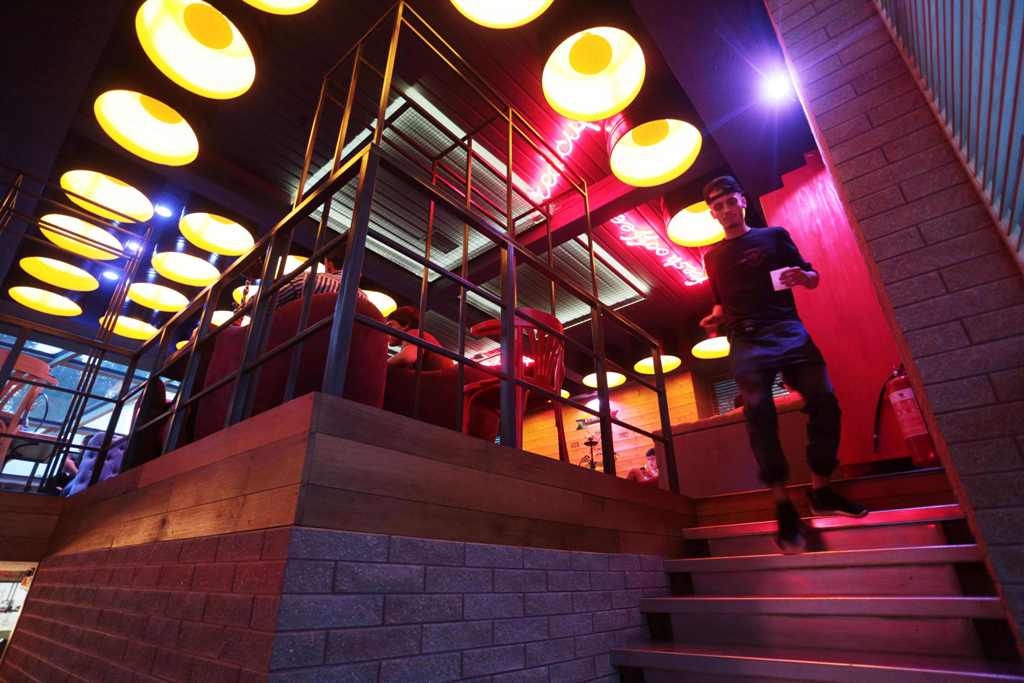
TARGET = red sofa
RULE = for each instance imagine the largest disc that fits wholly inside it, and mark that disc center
(367, 362)
(440, 395)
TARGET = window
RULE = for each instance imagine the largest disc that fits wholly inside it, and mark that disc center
(726, 391)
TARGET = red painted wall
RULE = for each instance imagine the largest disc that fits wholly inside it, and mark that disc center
(843, 313)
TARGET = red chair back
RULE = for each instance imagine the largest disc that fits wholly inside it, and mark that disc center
(547, 350)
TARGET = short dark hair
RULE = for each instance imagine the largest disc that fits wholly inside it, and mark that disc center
(720, 186)
(406, 316)
(650, 452)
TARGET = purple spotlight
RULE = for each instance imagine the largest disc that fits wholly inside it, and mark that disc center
(776, 87)
(111, 275)
(162, 210)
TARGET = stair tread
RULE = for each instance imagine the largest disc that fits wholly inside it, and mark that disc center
(931, 554)
(972, 607)
(913, 515)
(841, 665)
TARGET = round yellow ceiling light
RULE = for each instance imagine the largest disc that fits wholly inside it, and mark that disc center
(131, 328)
(146, 127)
(501, 13)
(59, 274)
(215, 233)
(694, 227)
(384, 303)
(45, 301)
(157, 297)
(615, 379)
(655, 152)
(110, 197)
(669, 363)
(80, 237)
(185, 268)
(218, 318)
(244, 293)
(282, 6)
(594, 74)
(196, 46)
(292, 261)
(712, 347)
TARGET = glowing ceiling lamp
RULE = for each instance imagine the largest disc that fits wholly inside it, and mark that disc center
(282, 6)
(79, 237)
(185, 269)
(244, 293)
(45, 301)
(218, 318)
(215, 233)
(196, 46)
(59, 274)
(131, 328)
(564, 393)
(111, 198)
(694, 227)
(594, 74)
(640, 236)
(669, 363)
(178, 346)
(655, 152)
(384, 303)
(146, 127)
(501, 13)
(157, 297)
(615, 379)
(712, 347)
(293, 261)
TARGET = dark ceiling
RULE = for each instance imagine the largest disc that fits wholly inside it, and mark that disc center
(705, 61)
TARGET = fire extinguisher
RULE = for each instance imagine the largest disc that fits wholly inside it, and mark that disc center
(899, 393)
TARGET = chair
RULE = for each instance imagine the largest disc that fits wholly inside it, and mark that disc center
(26, 367)
(545, 368)
(439, 393)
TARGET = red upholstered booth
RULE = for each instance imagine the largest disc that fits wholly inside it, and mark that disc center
(367, 362)
(439, 395)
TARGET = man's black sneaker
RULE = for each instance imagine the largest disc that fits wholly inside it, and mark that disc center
(827, 502)
(791, 536)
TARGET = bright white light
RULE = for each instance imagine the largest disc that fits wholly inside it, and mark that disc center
(111, 275)
(132, 246)
(162, 210)
(775, 87)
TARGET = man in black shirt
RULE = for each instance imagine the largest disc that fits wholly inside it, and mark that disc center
(751, 272)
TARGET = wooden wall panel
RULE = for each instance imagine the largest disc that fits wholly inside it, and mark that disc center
(637, 406)
(26, 524)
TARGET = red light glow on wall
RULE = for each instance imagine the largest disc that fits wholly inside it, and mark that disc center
(636, 236)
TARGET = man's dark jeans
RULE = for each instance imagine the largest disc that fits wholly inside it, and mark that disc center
(811, 381)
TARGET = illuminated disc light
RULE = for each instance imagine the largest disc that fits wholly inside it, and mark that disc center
(655, 152)
(695, 227)
(157, 297)
(501, 13)
(712, 347)
(384, 303)
(240, 296)
(615, 379)
(146, 127)
(218, 318)
(196, 46)
(282, 6)
(132, 328)
(564, 393)
(178, 346)
(668, 364)
(215, 233)
(106, 193)
(594, 74)
(45, 301)
(291, 262)
(89, 234)
(59, 274)
(185, 268)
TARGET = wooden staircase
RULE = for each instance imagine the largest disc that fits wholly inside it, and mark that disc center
(900, 595)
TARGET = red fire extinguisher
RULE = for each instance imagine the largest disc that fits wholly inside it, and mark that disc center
(899, 393)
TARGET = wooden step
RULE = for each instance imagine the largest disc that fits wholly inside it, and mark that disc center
(904, 527)
(926, 570)
(662, 663)
(982, 607)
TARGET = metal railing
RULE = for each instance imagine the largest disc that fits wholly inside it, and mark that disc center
(463, 179)
(969, 55)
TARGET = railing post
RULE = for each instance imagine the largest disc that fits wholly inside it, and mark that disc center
(604, 402)
(509, 350)
(345, 305)
(666, 422)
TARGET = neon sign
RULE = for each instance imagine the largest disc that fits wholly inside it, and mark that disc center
(647, 238)
(563, 147)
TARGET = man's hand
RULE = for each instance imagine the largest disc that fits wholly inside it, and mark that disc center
(796, 277)
(712, 321)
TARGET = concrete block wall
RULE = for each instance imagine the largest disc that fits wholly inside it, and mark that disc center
(390, 609)
(952, 289)
(196, 610)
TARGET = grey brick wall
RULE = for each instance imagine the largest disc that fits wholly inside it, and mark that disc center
(951, 285)
(389, 609)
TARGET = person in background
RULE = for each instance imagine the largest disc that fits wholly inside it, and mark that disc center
(646, 475)
(407, 319)
(752, 272)
(328, 281)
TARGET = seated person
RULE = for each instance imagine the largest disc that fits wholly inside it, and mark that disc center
(646, 475)
(328, 278)
(407, 320)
